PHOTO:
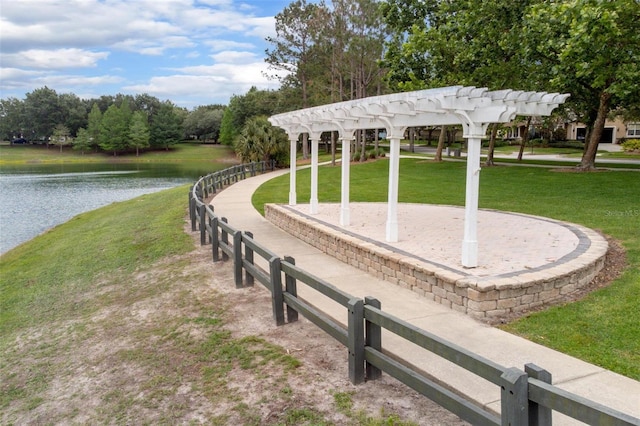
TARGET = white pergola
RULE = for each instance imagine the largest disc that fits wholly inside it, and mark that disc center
(474, 108)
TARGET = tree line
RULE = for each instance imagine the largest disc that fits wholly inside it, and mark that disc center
(114, 124)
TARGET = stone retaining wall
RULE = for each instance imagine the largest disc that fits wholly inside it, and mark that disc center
(480, 297)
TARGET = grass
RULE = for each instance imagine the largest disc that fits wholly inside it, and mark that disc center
(21, 154)
(69, 260)
(603, 327)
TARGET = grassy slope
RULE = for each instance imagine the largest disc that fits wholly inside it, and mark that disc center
(20, 154)
(39, 278)
(603, 328)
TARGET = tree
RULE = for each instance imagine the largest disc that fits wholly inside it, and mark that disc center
(590, 49)
(241, 108)
(12, 119)
(147, 103)
(204, 122)
(114, 128)
(366, 32)
(297, 30)
(73, 110)
(94, 123)
(459, 42)
(139, 131)
(260, 141)
(43, 112)
(166, 127)
(82, 141)
(60, 135)
(227, 131)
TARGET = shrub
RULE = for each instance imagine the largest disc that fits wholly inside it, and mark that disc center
(631, 145)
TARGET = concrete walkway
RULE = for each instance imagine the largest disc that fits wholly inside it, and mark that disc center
(571, 374)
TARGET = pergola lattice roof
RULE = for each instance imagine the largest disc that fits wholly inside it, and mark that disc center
(474, 108)
(448, 105)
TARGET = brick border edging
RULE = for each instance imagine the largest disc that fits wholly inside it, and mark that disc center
(479, 297)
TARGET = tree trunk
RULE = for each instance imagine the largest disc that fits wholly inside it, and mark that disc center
(333, 148)
(589, 157)
(305, 146)
(525, 139)
(363, 136)
(377, 141)
(412, 139)
(441, 139)
(492, 145)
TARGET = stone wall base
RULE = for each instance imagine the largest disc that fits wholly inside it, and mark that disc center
(482, 298)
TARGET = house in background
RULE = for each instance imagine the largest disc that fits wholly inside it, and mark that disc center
(614, 131)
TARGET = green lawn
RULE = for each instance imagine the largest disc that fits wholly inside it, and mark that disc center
(183, 152)
(604, 327)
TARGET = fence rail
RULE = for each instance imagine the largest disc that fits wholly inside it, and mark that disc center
(527, 396)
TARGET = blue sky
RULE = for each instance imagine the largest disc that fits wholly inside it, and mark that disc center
(192, 52)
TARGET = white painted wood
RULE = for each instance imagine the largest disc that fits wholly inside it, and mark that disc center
(292, 166)
(345, 212)
(314, 176)
(392, 198)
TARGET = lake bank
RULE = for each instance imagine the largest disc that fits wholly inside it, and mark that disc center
(41, 188)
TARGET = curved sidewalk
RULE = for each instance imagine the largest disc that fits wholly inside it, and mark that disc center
(571, 374)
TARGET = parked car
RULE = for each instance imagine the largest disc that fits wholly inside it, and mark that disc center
(19, 141)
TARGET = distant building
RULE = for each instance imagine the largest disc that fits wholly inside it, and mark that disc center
(614, 131)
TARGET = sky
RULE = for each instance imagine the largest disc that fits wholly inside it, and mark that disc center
(191, 52)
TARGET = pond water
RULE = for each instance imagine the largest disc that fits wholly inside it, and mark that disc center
(34, 198)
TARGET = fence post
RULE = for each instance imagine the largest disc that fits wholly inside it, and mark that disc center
(203, 224)
(277, 299)
(225, 239)
(208, 215)
(291, 286)
(215, 241)
(237, 258)
(248, 255)
(373, 339)
(253, 168)
(213, 184)
(538, 414)
(192, 210)
(514, 400)
(355, 340)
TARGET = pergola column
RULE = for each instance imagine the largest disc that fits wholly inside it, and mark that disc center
(392, 198)
(470, 240)
(313, 202)
(293, 139)
(345, 216)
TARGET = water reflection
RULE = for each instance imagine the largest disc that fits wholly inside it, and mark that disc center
(34, 198)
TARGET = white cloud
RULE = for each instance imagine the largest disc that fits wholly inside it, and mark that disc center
(217, 45)
(214, 83)
(234, 57)
(130, 44)
(54, 59)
